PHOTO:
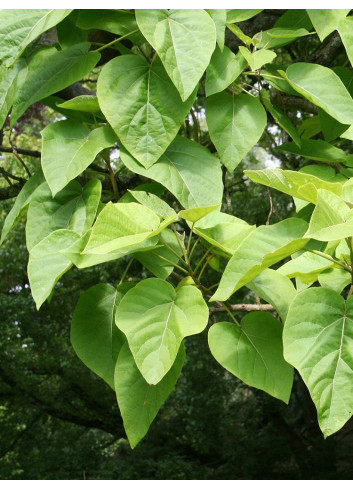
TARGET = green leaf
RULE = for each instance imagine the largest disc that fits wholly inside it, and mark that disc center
(258, 58)
(331, 219)
(326, 21)
(46, 265)
(68, 147)
(155, 318)
(219, 17)
(235, 123)
(280, 117)
(279, 36)
(323, 88)
(142, 106)
(253, 352)
(157, 205)
(272, 75)
(84, 103)
(159, 266)
(331, 129)
(94, 336)
(345, 31)
(68, 33)
(48, 71)
(306, 267)
(297, 184)
(18, 28)
(184, 41)
(264, 247)
(23, 199)
(223, 230)
(9, 81)
(187, 169)
(139, 402)
(310, 127)
(315, 149)
(197, 213)
(317, 339)
(274, 288)
(239, 15)
(73, 207)
(224, 68)
(122, 225)
(119, 23)
(335, 279)
(84, 260)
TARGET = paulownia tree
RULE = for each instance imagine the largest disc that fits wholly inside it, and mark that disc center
(182, 96)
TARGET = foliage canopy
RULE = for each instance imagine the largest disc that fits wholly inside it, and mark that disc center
(182, 96)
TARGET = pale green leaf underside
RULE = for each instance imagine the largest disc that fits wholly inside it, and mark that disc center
(139, 402)
(18, 28)
(335, 279)
(196, 213)
(301, 185)
(306, 267)
(223, 230)
(190, 172)
(153, 202)
(345, 31)
(322, 87)
(68, 147)
(265, 246)
(84, 103)
(275, 289)
(235, 123)
(258, 58)
(46, 265)
(184, 41)
(331, 219)
(315, 149)
(219, 17)
(253, 352)
(155, 318)
(142, 105)
(318, 342)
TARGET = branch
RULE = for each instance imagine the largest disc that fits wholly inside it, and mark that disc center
(244, 307)
(10, 192)
(26, 152)
(326, 53)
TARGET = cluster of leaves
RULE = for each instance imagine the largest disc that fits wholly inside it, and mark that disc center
(132, 335)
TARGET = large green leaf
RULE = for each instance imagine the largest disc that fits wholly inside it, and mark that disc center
(261, 249)
(121, 225)
(224, 68)
(73, 207)
(301, 185)
(253, 352)
(84, 103)
(139, 402)
(46, 265)
(326, 21)
(190, 172)
(94, 336)
(235, 123)
(155, 318)
(9, 82)
(110, 20)
(18, 28)
(48, 71)
(335, 279)
(68, 147)
(23, 199)
(84, 260)
(142, 105)
(315, 149)
(153, 202)
(240, 14)
(345, 31)
(274, 288)
(223, 230)
(306, 267)
(219, 17)
(331, 219)
(318, 340)
(196, 213)
(323, 88)
(184, 41)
